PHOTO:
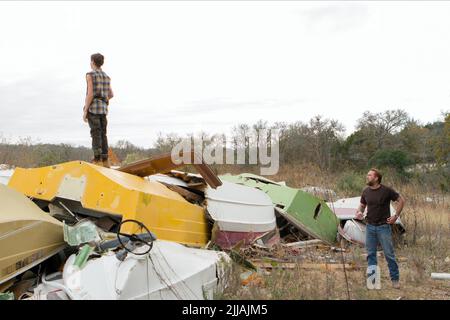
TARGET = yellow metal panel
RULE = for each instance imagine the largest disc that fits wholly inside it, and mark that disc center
(163, 211)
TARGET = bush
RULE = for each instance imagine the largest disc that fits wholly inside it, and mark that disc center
(351, 183)
(133, 157)
(395, 159)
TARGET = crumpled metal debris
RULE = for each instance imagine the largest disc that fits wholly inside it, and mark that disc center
(82, 232)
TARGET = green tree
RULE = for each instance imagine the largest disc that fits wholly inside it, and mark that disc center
(374, 132)
(395, 159)
(442, 142)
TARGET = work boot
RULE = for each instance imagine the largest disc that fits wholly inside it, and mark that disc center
(105, 163)
(395, 284)
(97, 161)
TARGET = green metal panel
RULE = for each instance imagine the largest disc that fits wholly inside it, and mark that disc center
(307, 212)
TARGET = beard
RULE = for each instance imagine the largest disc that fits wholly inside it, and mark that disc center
(370, 183)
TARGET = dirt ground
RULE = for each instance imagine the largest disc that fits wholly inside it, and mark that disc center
(303, 273)
(305, 277)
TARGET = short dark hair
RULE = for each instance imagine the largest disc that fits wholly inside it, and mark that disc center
(377, 173)
(98, 59)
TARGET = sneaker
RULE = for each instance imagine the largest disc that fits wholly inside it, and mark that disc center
(396, 284)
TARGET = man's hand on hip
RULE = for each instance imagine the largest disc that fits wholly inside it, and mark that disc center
(391, 220)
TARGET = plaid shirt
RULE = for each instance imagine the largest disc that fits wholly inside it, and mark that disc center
(101, 83)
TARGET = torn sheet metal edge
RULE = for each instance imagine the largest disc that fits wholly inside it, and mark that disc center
(300, 225)
(83, 231)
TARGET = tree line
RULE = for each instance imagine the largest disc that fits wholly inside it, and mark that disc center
(391, 139)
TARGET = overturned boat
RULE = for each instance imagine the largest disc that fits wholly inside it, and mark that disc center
(71, 190)
(28, 235)
(241, 215)
(306, 212)
(121, 266)
(354, 231)
(169, 271)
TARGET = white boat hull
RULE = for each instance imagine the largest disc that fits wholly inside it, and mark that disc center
(28, 235)
(171, 271)
(5, 176)
(345, 209)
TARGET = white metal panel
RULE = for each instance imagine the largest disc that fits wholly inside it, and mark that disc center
(5, 176)
(240, 208)
(166, 179)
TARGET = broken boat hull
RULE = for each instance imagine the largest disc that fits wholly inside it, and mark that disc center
(345, 209)
(242, 214)
(28, 235)
(307, 212)
(103, 191)
(170, 271)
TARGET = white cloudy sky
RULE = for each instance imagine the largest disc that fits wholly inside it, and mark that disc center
(190, 66)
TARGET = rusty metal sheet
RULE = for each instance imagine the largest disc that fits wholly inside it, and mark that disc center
(163, 163)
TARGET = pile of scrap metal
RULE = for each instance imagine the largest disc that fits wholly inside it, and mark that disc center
(238, 215)
(143, 231)
(79, 231)
(354, 230)
(248, 209)
(299, 214)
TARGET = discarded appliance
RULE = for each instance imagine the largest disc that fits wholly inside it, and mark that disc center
(28, 235)
(306, 212)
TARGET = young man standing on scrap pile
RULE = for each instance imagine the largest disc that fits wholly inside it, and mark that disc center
(95, 110)
(377, 198)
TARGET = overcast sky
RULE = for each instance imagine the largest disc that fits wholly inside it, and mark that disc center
(190, 66)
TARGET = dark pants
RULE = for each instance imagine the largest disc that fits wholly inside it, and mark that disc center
(383, 235)
(98, 123)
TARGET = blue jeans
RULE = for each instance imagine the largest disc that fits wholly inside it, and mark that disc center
(383, 235)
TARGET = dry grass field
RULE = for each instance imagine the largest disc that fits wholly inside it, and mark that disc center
(303, 274)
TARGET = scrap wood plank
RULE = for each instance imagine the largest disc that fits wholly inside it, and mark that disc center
(190, 196)
(330, 266)
(196, 184)
(163, 163)
(308, 266)
(303, 244)
(275, 265)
